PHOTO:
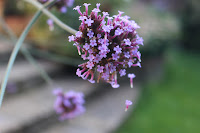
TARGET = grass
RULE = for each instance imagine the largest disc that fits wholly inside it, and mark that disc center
(172, 106)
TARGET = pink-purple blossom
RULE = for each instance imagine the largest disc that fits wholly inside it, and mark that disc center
(115, 56)
(90, 65)
(86, 46)
(117, 49)
(89, 22)
(109, 44)
(127, 103)
(82, 18)
(93, 43)
(100, 68)
(71, 38)
(51, 24)
(131, 76)
(68, 105)
(127, 42)
(78, 34)
(90, 34)
(63, 9)
(118, 31)
(122, 72)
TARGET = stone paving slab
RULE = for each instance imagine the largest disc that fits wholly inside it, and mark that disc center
(104, 114)
(17, 112)
(5, 46)
(22, 71)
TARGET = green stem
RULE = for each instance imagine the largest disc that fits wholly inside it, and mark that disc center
(16, 50)
(50, 15)
(57, 58)
(14, 54)
(26, 53)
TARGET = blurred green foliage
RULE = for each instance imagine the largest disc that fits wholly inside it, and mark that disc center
(190, 25)
(159, 29)
(153, 26)
(57, 41)
(171, 106)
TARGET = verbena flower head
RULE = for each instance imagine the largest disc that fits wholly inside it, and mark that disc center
(61, 5)
(109, 44)
(68, 105)
(127, 103)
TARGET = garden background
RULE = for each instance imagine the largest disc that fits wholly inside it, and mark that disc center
(166, 92)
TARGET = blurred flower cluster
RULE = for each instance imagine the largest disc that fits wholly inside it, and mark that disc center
(61, 5)
(69, 105)
(110, 44)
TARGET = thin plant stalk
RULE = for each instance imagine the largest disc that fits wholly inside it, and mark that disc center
(56, 58)
(14, 54)
(17, 47)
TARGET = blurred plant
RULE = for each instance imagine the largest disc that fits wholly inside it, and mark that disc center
(61, 5)
(11, 88)
(190, 25)
(68, 105)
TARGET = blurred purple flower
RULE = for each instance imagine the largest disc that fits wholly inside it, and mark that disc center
(68, 105)
(11, 88)
(51, 25)
(61, 5)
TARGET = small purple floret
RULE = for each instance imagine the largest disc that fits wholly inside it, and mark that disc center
(61, 5)
(122, 72)
(89, 22)
(131, 76)
(127, 103)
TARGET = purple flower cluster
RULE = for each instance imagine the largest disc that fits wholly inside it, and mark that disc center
(110, 44)
(68, 105)
(61, 5)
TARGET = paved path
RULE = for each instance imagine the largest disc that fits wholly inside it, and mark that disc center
(22, 71)
(35, 104)
(5, 46)
(104, 113)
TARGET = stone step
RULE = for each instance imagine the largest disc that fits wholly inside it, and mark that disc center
(35, 105)
(104, 114)
(24, 72)
(6, 47)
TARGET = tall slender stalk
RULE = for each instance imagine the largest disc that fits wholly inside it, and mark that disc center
(14, 54)
(57, 58)
(16, 50)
